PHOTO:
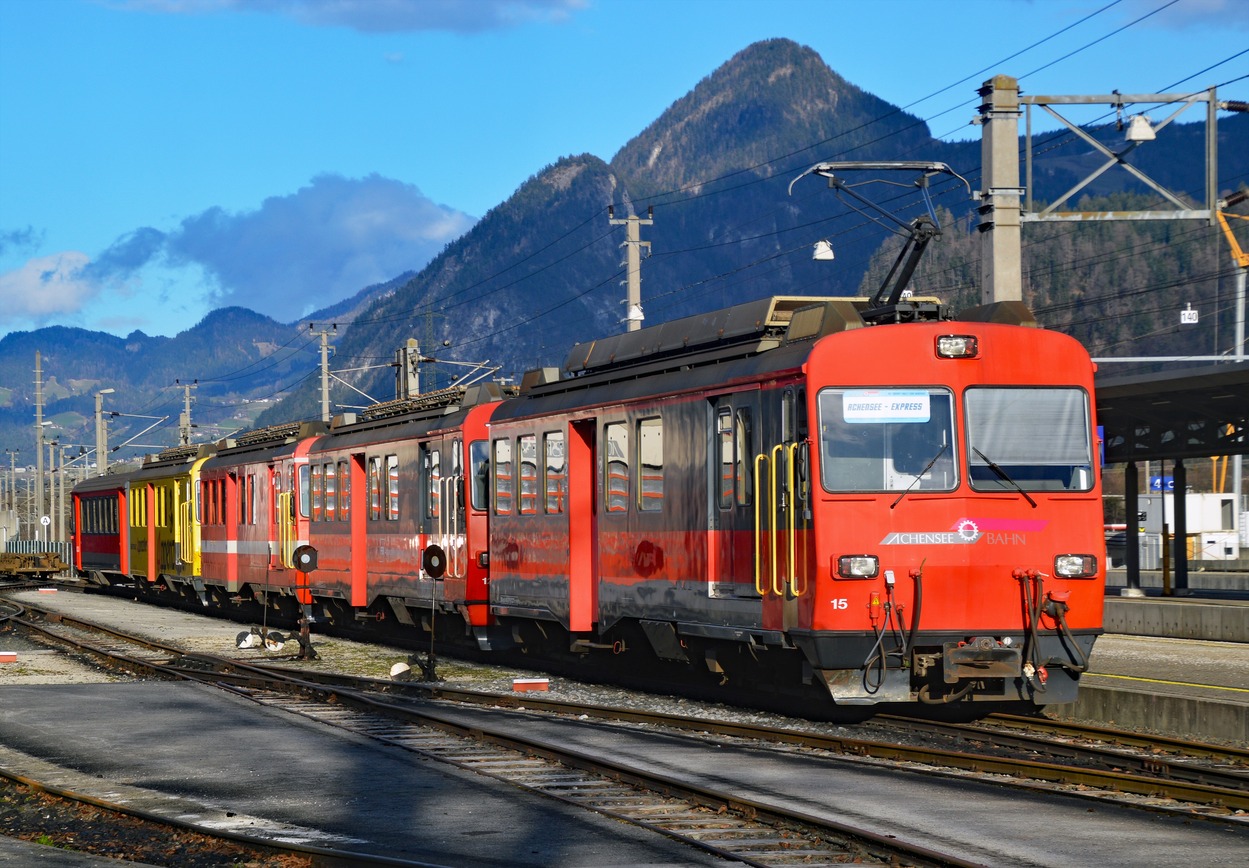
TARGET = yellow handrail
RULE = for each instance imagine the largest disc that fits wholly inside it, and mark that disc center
(787, 488)
(792, 487)
(778, 584)
(286, 541)
(759, 525)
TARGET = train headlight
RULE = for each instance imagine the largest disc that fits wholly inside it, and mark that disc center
(858, 566)
(1075, 566)
(957, 347)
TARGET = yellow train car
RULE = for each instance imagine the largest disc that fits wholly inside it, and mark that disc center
(164, 520)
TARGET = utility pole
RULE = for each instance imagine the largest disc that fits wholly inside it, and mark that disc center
(52, 501)
(408, 370)
(12, 480)
(184, 421)
(38, 435)
(325, 367)
(1240, 258)
(633, 272)
(101, 433)
(1001, 271)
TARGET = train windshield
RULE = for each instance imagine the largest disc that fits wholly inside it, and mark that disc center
(1029, 439)
(887, 440)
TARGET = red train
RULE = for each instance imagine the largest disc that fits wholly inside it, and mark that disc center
(782, 496)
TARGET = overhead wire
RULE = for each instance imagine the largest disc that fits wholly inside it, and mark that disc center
(458, 297)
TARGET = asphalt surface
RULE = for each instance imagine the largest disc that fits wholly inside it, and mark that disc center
(257, 770)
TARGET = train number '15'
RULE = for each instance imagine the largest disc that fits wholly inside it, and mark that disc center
(840, 603)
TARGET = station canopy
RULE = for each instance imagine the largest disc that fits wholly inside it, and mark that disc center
(1191, 413)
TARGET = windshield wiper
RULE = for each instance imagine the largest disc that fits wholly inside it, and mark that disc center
(919, 475)
(1004, 475)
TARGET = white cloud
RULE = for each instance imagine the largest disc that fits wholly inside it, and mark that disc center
(309, 249)
(47, 287)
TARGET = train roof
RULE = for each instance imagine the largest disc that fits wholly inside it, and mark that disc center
(733, 332)
(178, 455)
(107, 482)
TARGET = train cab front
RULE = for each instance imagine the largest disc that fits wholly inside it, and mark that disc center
(951, 630)
(958, 548)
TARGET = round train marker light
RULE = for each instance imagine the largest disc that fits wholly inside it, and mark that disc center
(434, 561)
(305, 558)
(958, 347)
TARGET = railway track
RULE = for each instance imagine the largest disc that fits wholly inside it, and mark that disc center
(719, 823)
(424, 719)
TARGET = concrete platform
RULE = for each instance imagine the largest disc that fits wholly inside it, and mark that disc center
(1180, 687)
(1214, 606)
(1178, 618)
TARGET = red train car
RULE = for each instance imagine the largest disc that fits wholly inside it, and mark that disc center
(785, 494)
(253, 514)
(398, 515)
(101, 528)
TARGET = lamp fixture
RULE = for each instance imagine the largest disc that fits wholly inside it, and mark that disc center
(1140, 130)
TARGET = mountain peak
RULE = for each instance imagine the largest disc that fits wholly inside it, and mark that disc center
(761, 111)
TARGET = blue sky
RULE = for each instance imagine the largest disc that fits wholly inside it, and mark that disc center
(160, 158)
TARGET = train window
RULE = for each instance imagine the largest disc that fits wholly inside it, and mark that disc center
(375, 488)
(392, 487)
(344, 491)
(503, 477)
(479, 468)
(555, 472)
(1005, 453)
(744, 470)
(433, 483)
(330, 474)
(251, 498)
(305, 490)
(724, 475)
(616, 466)
(318, 492)
(650, 465)
(887, 439)
(527, 450)
(787, 416)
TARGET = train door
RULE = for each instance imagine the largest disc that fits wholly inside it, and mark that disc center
(184, 543)
(151, 517)
(229, 506)
(432, 548)
(278, 528)
(782, 512)
(355, 500)
(120, 519)
(449, 521)
(731, 555)
(581, 462)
